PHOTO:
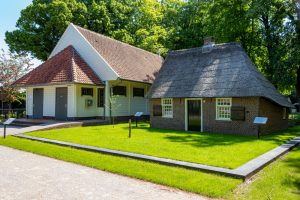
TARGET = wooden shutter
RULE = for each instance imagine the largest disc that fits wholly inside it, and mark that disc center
(157, 110)
(237, 113)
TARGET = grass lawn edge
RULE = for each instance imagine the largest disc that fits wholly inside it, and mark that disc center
(211, 185)
(218, 150)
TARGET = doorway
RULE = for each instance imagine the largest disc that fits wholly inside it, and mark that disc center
(194, 115)
(61, 103)
(38, 101)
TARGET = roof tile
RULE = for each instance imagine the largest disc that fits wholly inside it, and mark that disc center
(129, 62)
(65, 67)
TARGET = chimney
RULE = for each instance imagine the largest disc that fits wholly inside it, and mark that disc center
(209, 41)
(208, 45)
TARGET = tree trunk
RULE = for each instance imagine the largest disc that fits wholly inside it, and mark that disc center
(270, 48)
(297, 6)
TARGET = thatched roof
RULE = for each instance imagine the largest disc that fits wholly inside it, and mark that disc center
(225, 71)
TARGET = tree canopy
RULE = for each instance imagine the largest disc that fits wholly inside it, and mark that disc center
(269, 30)
(12, 67)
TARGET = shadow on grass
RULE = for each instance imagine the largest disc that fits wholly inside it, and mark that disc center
(294, 164)
(203, 139)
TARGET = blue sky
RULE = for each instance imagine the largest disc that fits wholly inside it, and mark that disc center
(9, 14)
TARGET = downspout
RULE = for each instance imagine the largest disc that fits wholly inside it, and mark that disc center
(129, 98)
(104, 97)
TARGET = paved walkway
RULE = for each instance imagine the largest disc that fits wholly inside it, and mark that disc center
(245, 171)
(27, 176)
(50, 124)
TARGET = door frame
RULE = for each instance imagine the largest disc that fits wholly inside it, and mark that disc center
(186, 113)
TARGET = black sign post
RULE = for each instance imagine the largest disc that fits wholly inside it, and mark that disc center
(7, 122)
(136, 116)
(260, 121)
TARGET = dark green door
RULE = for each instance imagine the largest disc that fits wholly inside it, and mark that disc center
(38, 101)
(61, 103)
(194, 115)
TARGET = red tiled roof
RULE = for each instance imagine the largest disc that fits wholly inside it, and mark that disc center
(65, 67)
(130, 63)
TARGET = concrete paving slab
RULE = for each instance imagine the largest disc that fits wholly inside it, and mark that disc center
(254, 165)
(47, 125)
(27, 176)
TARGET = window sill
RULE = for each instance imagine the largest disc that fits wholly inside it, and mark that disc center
(224, 120)
(168, 117)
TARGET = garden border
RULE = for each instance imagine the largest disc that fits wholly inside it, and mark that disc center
(245, 171)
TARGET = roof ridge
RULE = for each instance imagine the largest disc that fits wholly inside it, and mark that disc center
(118, 41)
(193, 49)
(73, 67)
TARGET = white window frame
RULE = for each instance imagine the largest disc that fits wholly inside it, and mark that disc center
(223, 106)
(167, 107)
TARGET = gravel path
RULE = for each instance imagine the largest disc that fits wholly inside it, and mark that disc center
(28, 176)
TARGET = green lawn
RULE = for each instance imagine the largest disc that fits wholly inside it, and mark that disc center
(221, 150)
(199, 182)
(280, 180)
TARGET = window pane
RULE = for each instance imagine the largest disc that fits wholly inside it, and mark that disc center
(119, 90)
(223, 108)
(138, 92)
(167, 108)
(87, 91)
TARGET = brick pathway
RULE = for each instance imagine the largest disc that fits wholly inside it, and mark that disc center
(27, 176)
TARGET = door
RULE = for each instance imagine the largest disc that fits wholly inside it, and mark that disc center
(194, 115)
(61, 103)
(38, 101)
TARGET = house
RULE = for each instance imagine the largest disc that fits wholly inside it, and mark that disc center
(215, 88)
(89, 75)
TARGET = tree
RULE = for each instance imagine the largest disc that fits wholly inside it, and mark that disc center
(294, 16)
(12, 67)
(41, 25)
(269, 30)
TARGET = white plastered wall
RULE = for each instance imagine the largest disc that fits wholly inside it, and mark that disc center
(49, 100)
(127, 105)
(82, 109)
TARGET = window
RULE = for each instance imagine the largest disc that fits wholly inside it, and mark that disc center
(138, 92)
(223, 108)
(284, 113)
(87, 91)
(167, 108)
(119, 90)
(100, 100)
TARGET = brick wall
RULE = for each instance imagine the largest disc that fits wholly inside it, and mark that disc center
(210, 124)
(254, 106)
(176, 123)
(274, 113)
